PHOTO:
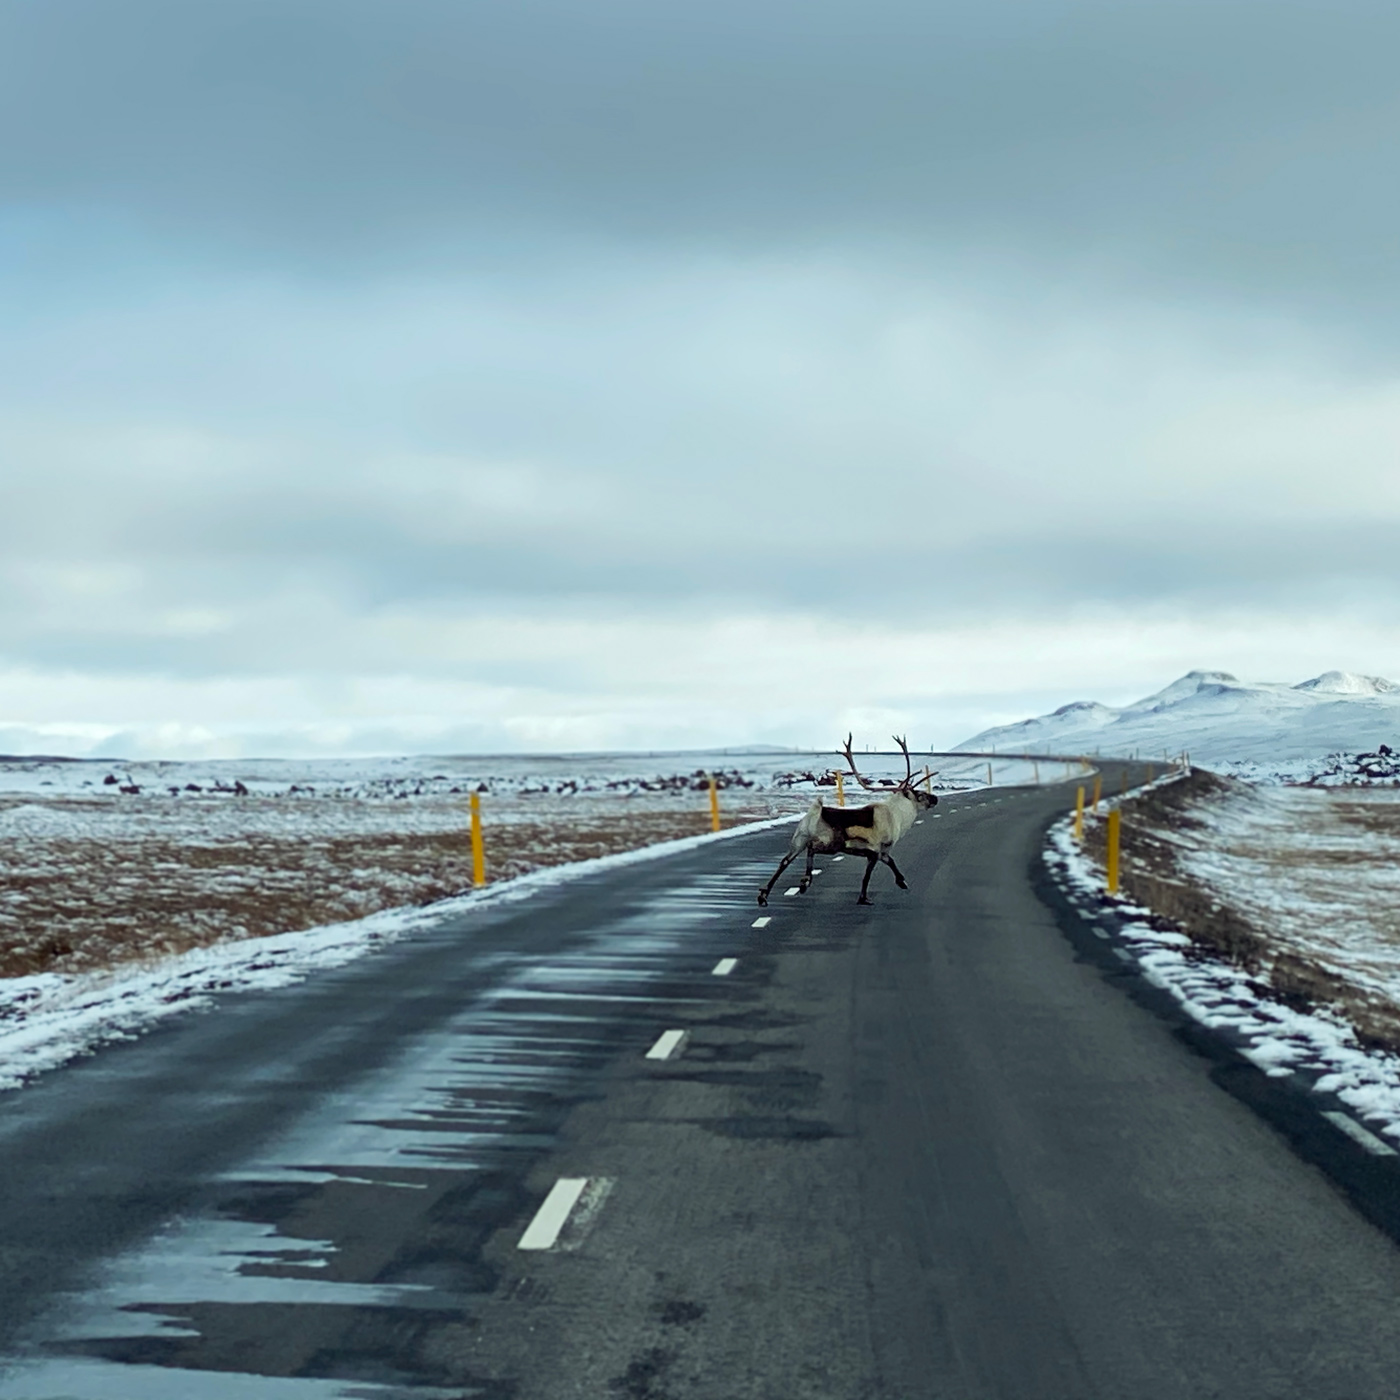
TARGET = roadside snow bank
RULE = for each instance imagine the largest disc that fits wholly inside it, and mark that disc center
(1250, 934)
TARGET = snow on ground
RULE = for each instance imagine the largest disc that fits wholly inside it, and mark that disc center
(48, 1019)
(170, 857)
(1318, 873)
(1378, 769)
(404, 778)
(124, 900)
(1221, 721)
(1304, 886)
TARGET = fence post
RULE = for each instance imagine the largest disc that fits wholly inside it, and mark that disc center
(1114, 818)
(1036, 768)
(714, 804)
(478, 849)
(989, 776)
(1079, 815)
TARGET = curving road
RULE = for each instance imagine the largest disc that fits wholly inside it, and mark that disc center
(946, 1146)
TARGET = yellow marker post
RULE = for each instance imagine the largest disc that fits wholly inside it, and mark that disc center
(840, 791)
(1151, 772)
(714, 804)
(1079, 815)
(478, 849)
(1098, 791)
(1114, 818)
(928, 777)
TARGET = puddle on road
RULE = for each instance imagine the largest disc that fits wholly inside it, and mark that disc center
(323, 1267)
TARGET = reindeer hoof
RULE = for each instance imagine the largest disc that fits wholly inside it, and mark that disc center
(864, 900)
(762, 898)
(903, 884)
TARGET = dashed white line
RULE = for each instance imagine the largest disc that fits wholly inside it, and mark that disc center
(724, 967)
(543, 1230)
(796, 889)
(838, 857)
(1099, 933)
(1126, 957)
(667, 1043)
(1357, 1133)
(816, 872)
(762, 922)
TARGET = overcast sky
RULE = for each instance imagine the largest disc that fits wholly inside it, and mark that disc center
(535, 375)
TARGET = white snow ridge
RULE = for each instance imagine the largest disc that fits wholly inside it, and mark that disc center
(1219, 720)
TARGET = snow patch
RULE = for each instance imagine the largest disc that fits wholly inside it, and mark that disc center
(1277, 1038)
(1345, 683)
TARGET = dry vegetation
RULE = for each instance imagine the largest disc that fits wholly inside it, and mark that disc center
(92, 883)
(1297, 888)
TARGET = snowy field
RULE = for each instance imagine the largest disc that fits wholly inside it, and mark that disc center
(100, 862)
(1273, 913)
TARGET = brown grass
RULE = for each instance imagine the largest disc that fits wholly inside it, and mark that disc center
(1152, 876)
(79, 905)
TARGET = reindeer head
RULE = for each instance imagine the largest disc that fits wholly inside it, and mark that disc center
(907, 786)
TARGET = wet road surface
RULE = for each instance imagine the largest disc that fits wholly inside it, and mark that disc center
(922, 1149)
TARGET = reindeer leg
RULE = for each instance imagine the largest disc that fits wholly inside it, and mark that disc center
(768, 888)
(806, 879)
(870, 863)
(898, 878)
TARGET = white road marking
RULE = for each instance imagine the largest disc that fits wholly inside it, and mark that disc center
(1127, 957)
(918, 821)
(763, 922)
(667, 1043)
(796, 889)
(1099, 933)
(816, 872)
(1357, 1133)
(543, 1230)
(838, 857)
(724, 967)
(936, 815)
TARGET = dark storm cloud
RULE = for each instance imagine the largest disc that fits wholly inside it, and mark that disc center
(1242, 141)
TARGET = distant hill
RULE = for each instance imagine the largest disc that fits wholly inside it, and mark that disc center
(1219, 719)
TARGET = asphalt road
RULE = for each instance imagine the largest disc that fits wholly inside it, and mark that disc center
(938, 1147)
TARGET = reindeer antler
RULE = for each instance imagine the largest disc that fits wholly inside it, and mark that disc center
(908, 762)
(855, 772)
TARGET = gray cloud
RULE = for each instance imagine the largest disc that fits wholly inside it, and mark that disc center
(347, 339)
(1242, 143)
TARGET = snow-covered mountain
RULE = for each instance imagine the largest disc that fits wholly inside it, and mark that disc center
(1219, 719)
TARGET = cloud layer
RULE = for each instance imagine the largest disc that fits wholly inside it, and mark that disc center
(548, 376)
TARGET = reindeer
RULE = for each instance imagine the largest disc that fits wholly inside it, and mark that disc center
(868, 831)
